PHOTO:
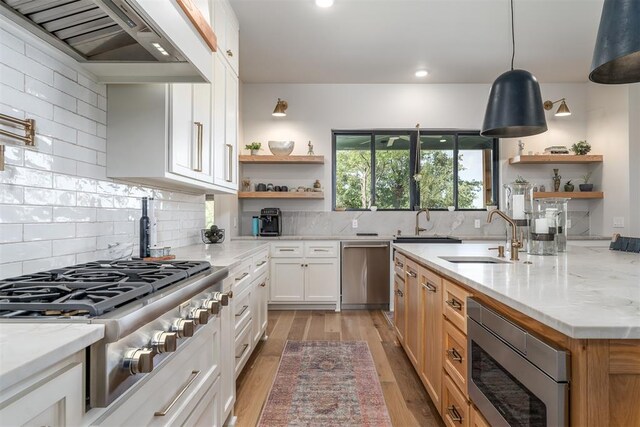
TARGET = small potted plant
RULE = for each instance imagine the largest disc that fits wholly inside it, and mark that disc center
(587, 186)
(254, 147)
(569, 187)
(581, 148)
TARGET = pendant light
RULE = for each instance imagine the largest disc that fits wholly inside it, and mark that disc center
(515, 107)
(616, 58)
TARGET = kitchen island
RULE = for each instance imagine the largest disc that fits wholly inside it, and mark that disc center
(585, 301)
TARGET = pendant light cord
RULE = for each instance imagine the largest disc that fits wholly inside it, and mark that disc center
(513, 38)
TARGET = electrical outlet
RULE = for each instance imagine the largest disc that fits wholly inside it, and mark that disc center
(568, 223)
(618, 222)
(354, 223)
(476, 223)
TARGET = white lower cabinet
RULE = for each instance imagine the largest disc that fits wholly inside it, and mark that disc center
(259, 303)
(53, 398)
(313, 278)
(227, 363)
(209, 410)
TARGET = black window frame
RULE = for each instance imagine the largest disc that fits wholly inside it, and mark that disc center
(414, 196)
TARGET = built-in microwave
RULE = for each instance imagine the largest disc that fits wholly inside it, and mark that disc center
(515, 379)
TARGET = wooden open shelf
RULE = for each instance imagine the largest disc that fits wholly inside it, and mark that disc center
(571, 194)
(555, 159)
(318, 160)
(308, 195)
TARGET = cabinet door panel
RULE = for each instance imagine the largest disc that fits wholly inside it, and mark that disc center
(202, 114)
(431, 339)
(232, 39)
(231, 129)
(321, 280)
(399, 318)
(412, 305)
(287, 279)
(227, 361)
(182, 129)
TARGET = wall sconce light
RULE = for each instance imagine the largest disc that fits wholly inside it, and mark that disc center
(281, 108)
(563, 110)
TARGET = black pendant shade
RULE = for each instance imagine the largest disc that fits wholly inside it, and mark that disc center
(515, 107)
(616, 58)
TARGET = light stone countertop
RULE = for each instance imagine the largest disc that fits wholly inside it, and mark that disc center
(27, 348)
(587, 292)
(381, 237)
(227, 254)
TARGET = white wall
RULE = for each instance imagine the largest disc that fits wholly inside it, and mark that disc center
(57, 206)
(608, 133)
(634, 160)
(314, 110)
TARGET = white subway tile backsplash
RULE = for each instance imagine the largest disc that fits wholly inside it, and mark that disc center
(92, 112)
(74, 89)
(39, 196)
(74, 214)
(75, 152)
(66, 182)
(9, 40)
(94, 200)
(61, 115)
(12, 252)
(49, 231)
(18, 61)
(50, 62)
(10, 233)
(74, 246)
(92, 141)
(37, 265)
(11, 269)
(57, 207)
(20, 214)
(47, 93)
(37, 160)
(11, 77)
(28, 103)
(11, 194)
(99, 88)
(23, 176)
(92, 171)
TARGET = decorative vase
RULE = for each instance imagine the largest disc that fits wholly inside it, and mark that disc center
(556, 180)
(568, 187)
(586, 187)
(254, 152)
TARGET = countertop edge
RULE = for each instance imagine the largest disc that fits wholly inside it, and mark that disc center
(53, 355)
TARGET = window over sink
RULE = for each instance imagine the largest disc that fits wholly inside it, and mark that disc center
(387, 169)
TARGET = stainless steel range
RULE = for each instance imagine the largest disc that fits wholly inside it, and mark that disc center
(148, 309)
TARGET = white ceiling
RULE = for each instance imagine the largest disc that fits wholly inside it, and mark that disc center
(386, 41)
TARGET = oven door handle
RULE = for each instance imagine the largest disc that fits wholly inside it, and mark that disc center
(165, 411)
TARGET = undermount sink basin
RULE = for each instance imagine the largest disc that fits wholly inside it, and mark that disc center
(426, 239)
(473, 260)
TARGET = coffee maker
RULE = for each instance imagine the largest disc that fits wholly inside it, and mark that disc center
(270, 222)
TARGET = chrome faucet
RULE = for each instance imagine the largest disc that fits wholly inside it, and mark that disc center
(428, 215)
(515, 243)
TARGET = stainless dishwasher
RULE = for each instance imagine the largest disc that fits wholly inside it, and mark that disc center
(365, 274)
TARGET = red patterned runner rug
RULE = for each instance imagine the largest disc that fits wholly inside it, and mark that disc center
(325, 383)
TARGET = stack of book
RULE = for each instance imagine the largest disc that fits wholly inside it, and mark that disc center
(556, 149)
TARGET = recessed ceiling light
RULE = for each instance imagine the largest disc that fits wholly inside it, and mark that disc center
(324, 3)
(443, 140)
(422, 73)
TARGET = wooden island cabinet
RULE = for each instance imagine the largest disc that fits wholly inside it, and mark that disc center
(431, 325)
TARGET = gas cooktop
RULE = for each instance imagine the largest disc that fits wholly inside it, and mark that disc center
(90, 289)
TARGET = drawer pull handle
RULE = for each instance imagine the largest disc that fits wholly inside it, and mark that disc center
(454, 414)
(453, 354)
(399, 264)
(261, 263)
(321, 250)
(244, 348)
(429, 287)
(286, 250)
(165, 411)
(412, 274)
(454, 303)
(263, 284)
(242, 277)
(241, 312)
(229, 53)
(399, 293)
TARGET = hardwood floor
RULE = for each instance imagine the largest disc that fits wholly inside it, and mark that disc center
(407, 401)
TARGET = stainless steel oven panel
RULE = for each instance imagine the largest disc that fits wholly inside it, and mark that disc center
(553, 394)
(506, 330)
(552, 361)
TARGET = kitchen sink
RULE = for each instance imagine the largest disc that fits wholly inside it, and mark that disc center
(473, 260)
(426, 239)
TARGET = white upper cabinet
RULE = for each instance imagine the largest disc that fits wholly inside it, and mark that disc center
(227, 29)
(225, 125)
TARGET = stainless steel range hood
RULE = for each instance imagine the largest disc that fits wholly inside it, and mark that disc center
(119, 41)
